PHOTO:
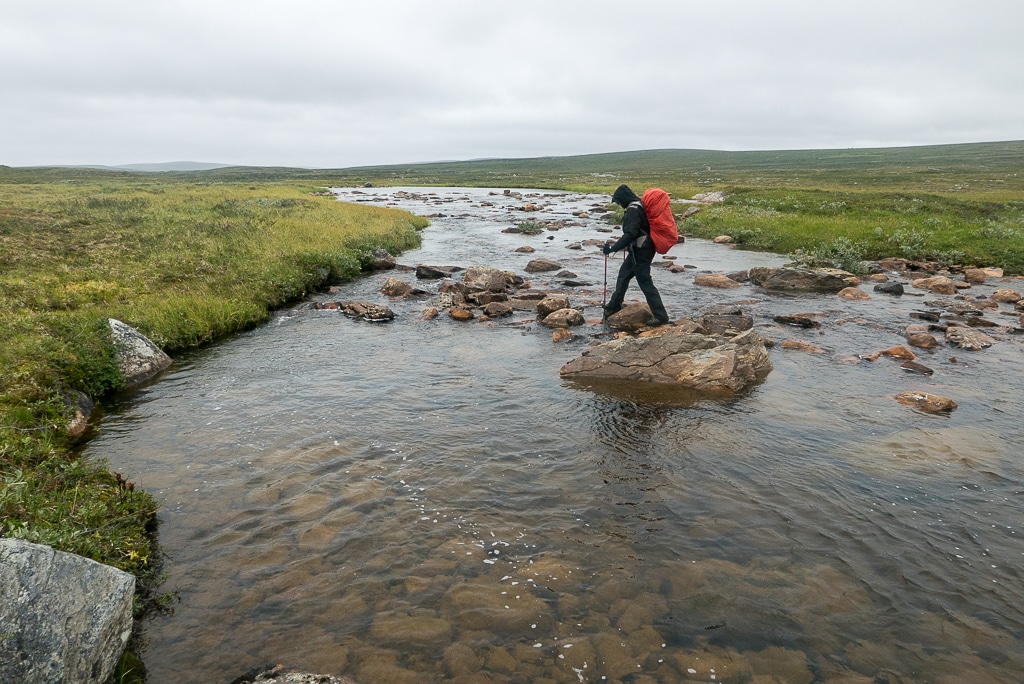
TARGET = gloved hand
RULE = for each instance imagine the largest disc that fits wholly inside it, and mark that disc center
(606, 248)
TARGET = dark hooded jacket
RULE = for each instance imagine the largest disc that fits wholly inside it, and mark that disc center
(634, 220)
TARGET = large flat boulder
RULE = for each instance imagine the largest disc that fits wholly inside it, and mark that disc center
(63, 618)
(678, 358)
(788, 279)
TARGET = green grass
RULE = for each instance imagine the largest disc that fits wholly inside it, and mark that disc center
(953, 230)
(183, 262)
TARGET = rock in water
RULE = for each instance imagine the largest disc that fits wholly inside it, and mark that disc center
(366, 311)
(895, 289)
(542, 265)
(966, 338)
(382, 260)
(930, 403)
(563, 318)
(718, 280)
(63, 618)
(690, 360)
(630, 318)
(137, 357)
(800, 279)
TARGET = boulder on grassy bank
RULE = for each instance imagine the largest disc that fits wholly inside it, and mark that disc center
(137, 357)
(63, 618)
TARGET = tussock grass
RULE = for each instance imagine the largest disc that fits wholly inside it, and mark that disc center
(950, 229)
(185, 263)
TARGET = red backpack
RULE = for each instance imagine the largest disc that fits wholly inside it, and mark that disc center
(659, 216)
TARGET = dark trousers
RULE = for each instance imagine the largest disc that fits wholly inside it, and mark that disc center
(637, 264)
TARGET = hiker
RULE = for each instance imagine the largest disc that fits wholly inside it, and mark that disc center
(639, 255)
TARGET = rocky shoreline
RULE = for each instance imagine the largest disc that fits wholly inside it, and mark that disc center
(965, 309)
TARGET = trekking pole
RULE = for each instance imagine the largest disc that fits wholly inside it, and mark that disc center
(604, 297)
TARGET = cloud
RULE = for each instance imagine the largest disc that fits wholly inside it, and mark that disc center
(311, 83)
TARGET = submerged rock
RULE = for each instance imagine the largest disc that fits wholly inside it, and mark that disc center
(279, 674)
(797, 320)
(895, 289)
(854, 293)
(718, 280)
(690, 360)
(922, 340)
(931, 403)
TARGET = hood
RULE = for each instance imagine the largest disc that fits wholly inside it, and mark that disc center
(623, 196)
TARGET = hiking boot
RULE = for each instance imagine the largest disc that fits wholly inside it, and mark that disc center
(608, 312)
(655, 322)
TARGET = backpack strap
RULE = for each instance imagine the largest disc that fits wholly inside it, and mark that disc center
(645, 225)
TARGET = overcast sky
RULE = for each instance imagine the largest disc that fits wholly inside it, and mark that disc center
(348, 83)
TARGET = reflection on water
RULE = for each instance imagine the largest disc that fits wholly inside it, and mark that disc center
(427, 501)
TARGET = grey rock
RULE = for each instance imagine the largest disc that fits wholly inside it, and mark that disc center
(425, 272)
(797, 320)
(486, 279)
(81, 406)
(63, 618)
(281, 675)
(967, 338)
(674, 357)
(366, 311)
(726, 321)
(382, 260)
(800, 279)
(137, 357)
(895, 289)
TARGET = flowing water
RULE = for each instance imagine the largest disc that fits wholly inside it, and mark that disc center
(426, 500)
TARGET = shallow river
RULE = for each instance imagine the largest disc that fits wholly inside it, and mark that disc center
(426, 500)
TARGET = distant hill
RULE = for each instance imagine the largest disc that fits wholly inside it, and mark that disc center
(141, 168)
(172, 166)
(986, 165)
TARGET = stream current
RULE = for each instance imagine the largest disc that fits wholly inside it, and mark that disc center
(426, 500)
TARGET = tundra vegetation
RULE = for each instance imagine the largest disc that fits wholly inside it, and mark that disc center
(187, 258)
(184, 263)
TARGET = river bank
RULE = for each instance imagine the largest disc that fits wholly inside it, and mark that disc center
(357, 497)
(186, 264)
